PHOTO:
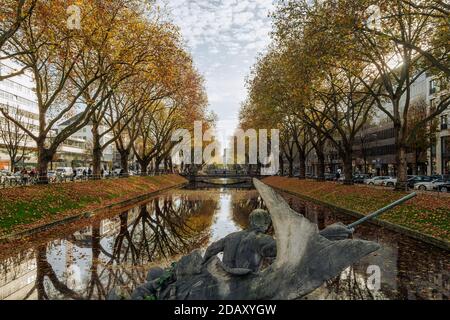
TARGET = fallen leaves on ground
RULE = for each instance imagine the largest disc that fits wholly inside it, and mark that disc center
(27, 207)
(428, 213)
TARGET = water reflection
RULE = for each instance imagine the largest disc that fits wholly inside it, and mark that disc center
(409, 269)
(118, 251)
(108, 253)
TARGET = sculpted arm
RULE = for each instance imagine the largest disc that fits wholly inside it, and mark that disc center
(214, 249)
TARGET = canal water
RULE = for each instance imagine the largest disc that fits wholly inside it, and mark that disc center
(86, 263)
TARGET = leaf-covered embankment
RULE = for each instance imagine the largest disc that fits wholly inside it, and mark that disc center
(24, 208)
(428, 213)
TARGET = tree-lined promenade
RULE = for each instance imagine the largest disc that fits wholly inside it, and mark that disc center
(124, 69)
(333, 66)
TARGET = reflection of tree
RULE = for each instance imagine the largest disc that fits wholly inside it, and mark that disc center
(162, 229)
(45, 271)
(165, 227)
(95, 283)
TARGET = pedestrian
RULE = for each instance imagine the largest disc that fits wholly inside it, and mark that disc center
(24, 174)
(89, 172)
(338, 175)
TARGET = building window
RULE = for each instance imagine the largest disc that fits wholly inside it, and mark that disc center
(444, 122)
(434, 86)
(432, 104)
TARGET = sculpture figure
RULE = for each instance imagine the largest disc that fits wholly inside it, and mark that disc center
(305, 259)
(246, 249)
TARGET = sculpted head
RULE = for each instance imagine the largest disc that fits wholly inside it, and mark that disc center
(260, 220)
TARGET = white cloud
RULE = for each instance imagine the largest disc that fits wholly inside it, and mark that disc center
(224, 37)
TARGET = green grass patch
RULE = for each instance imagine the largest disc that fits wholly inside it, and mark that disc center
(27, 212)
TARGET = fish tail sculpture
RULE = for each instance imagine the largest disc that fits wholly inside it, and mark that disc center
(305, 259)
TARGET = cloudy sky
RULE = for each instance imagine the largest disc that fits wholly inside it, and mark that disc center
(224, 37)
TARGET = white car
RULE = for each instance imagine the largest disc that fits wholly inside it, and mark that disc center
(429, 186)
(391, 182)
(64, 171)
(12, 178)
(377, 181)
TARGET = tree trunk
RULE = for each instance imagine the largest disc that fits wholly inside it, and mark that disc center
(291, 167)
(321, 166)
(365, 164)
(400, 157)
(402, 168)
(157, 164)
(96, 162)
(302, 168)
(96, 153)
(348, 168)
(281, 165)
(12, 165)
(144, 166)
(124, 155)
(44, 158)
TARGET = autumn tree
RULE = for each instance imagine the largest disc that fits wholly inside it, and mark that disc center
(76, 71)
(424, 137)
(55, 54)
(12, 14)
(167, 114)
(136, 50)
(387, 40)
(273, 98)
(346, 105)
(13, 138)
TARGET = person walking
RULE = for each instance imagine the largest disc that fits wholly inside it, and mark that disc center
(24, 174)
(32, 175)
(338, 175)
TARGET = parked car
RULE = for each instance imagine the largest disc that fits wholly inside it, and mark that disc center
(118, 172)
(393, 181)
(12, 178)
(445, 187)
(51, 174)
(377, 181)
(360, 177)
(80, 171)
(430, 186)
(330, 176)
(412, 181)
(64, 171)
(443, 177)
